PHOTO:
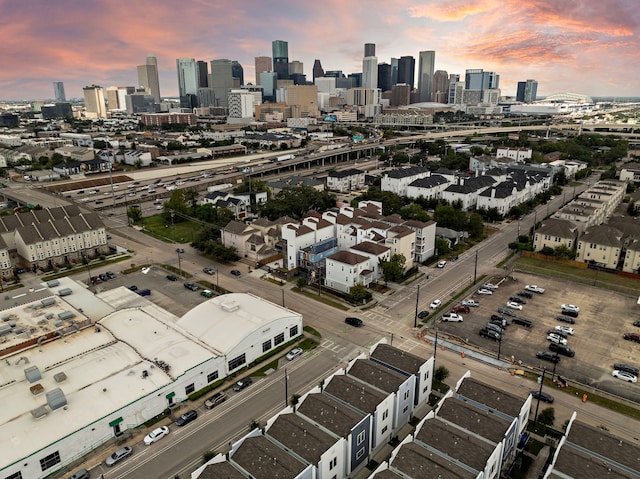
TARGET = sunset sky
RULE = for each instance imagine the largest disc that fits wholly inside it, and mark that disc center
(582, 46)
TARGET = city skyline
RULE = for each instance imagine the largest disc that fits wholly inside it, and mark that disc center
(586, 47)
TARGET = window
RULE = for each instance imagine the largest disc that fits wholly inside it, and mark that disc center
(360, 453)
(293, 331)
(266, 346)
(360, 438)
(385, 414)
(189, 388)
(405, 409)
(384, 429)
(406, 395)
(333, 463)
(50, 461)
(15, 475)
(237, 362)
(279, 339)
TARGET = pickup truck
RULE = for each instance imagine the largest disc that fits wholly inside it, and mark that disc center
(522, 322)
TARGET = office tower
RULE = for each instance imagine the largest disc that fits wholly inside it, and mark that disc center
(370, 66)
(58, 91)
(112, 98)
(268, 80)
(148, 77)
(303, 100)
(140, 101)
(221, 80)
(454, 79)
(394, 71)
(384, 76)
(334, 73)
(240, 106)
(296, 66)
(57, 110)
(400, 95)
(440, 91)
(478, 79)
(203, 72)
(406, 70)
(326, 85)
(280, 56)
(262, 64)
(94, 102)
(426, 66)
(356, 80)
(527, 91)
(318, 72)
(237, 71)
(187, 76)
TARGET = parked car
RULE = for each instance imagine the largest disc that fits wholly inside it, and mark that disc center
(562, 349)
(191, 286)
(103, 277)
(518, 299)
(235, 272)
(294, 353)
(507, 311)
(570, 312)
(156, 435)
(454, 258)
(186, 418)
(627, 367)
(461, 309)
(542, 396)
(243, 383)
(547, 356)
(435, 304)
(207, 293)
(133, 287)
(145, 270)
(423, 314)
(635, 337)
(495, 327)
(570, 307)
(636, 323)
(118, 456)
(534, 288)
(144, 292)
(214, 400)
(527, 323)
(566, 319)
(484, 291)
(525, 294)
(81, 474)
(557, 338)
(624, 375)
(489, 333)
(209, 270)
(180, 250)
(442, 264)
(471, 302)
(496, 317)
(453, 317)
(565, 329)
(357, 322)
(111, 275)
(512, 305)
(490, 286)
(172, 277)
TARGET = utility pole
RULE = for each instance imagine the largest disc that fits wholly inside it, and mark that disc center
(286, 388)
(415, 317)
(535, 418)
(475, 269)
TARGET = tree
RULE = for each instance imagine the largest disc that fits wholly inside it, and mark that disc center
(191, 198)
(476, 226)
(563, 252)
(547, 416)
(414, 212)
(560, 179)
(442, 246)
(441, 374)
(358, 294)
(296, 202)
(134, 214)
(392, 270)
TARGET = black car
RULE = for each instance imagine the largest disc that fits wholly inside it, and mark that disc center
(191, 286)
(180, 250)
(144, 292)
(627, 367)
(111, 275)
(507, 311)
(517, 299)
(172, 277)
(235, 272)
(547, 356)
(103, 277)
(243, 383)
(570, 312)
(525, 294)
(495, 317)
(566, 319)
(562, 349)
(133, 287)
(186, 418)
(423, 314)
(557, 332)
(488, 333)
(522, 321)
(357, 322)
(543, 396)
(636, 323)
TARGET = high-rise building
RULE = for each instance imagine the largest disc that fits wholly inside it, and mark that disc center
(454, 79)
(280, 50)
(203, 73)
(303, 100)
(426, 67)
(370, 66)
(187, 76)
(58, 91)
(237, 72)
(262, 64)
(148, 77)
(318, 72)
(440, 92)
(269, 80)
(57, 110)
(240, 106)
(356, 80)
(394, 71)
(296, 66)
(406, 70)
(384, 76)
(400, 95)
(94, 102)
(478, 79)
(140, 101)
(221, 80)
(527, 91)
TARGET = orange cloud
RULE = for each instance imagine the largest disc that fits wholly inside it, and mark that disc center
(451, 11)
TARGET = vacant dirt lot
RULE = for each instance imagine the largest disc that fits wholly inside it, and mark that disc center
(598, 343)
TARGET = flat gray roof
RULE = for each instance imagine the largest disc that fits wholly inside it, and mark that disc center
(264, 460)
(480, 422)
(574, 463)
(398, 358)
(419, 463)
(221, 470)
(491, 397)
(329, 414)
(355, 393)
(376, 375)
(304, 438)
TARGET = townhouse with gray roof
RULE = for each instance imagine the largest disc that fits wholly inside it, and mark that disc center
(429, 188)
(344, 181)
(554, 232)
(600, 245)
(260, 458)
(399, 179)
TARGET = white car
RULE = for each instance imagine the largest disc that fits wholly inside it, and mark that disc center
(490, 286)
(534, 289)
(556, 338)
(484, 291)
(570, 307)
(435, 304)
(624, 375)
(156, 435)
(294, 353)
(564, 329)
(471, 302)
(146, 269)
(512, 305)
(442, 264)
(452, 317)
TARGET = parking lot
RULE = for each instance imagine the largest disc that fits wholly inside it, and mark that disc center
(604, 317)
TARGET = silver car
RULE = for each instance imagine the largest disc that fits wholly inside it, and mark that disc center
(118, 456)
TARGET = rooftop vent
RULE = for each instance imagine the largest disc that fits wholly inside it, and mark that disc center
(229, 306)
(48, 302)
(56, 399)
(53, 283)
(59, 377)
(66, 315)
(32, 373)
(39, 412)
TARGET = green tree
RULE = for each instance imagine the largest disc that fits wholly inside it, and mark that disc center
(176, 207)
(191, 199)
(547, 416)
(392, 270)
(476, 226)
(358, 294)
(442, 246)
(301, 282)
(441, 374)
(414, 212)
(563, 252)
(134, 213)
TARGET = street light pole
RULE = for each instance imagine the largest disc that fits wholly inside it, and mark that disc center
(535, 417)
(415, 318)
(179, 262)
(475, 269)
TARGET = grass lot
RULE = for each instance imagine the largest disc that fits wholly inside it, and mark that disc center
(589, 277)
(323, 298)
(182, 232)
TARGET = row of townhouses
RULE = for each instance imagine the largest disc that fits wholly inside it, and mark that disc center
(49, 237)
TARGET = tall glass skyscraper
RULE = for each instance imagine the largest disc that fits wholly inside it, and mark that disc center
(426, 69)
(58, 91)
(280, 50)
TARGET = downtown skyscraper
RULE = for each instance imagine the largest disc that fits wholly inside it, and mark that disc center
(280, 50)
(58, 91)
(370, 66)
(148, 77)
(426, 69)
